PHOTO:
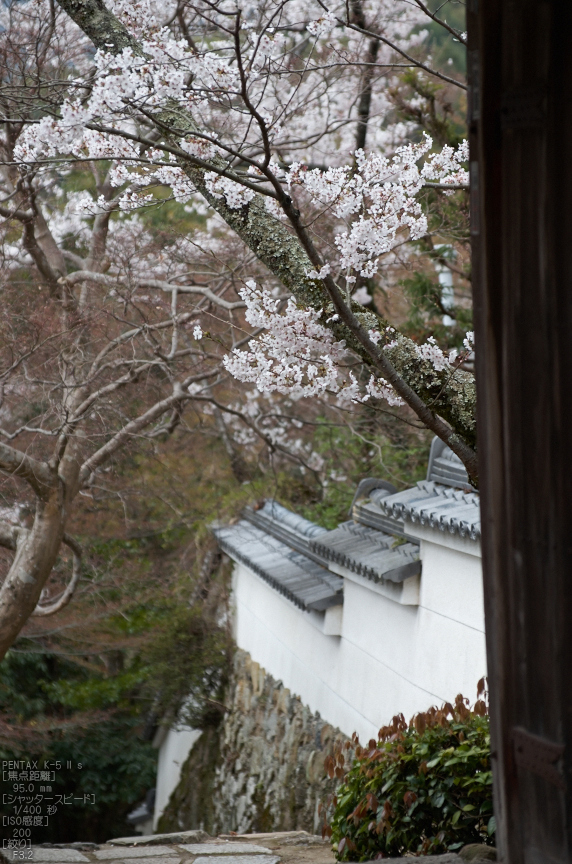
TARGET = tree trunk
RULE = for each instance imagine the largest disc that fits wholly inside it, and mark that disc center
(36, 553)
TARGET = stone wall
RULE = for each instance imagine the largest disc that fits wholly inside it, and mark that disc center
(262, 769)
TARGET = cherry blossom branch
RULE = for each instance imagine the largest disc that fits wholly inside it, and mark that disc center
(290, 258)
(218, 166)
(454, 32)
(269, 239)
(463, 418)
(447, 186)
(420, 65)
(381, 360)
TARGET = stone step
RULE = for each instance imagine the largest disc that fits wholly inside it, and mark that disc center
(196, 847)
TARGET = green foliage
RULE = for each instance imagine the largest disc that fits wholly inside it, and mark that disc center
(117, 766)
(447, 54)
(96, 692)
(425, 788)
(21, 690)
(187, 667)
(426, 310)
(350, 455)
(106, 754)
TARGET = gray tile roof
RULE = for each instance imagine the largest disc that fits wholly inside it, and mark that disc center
(258, 542)
(293, 555)
(287, 526)
(445, 467)
(446, 500)
(368, 511)
(373, 554)
(441, 507)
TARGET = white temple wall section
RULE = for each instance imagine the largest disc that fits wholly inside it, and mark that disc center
(390, 657)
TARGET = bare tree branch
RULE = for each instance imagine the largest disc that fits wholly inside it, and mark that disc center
(394, 47)
(130, 430)
(169, 287)
(58, 603)
(37, 474)
(9, 535)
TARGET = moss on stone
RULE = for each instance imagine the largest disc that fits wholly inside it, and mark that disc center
(262, 769)
(192, 803)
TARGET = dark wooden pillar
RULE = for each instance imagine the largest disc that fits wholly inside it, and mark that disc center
(520, 58)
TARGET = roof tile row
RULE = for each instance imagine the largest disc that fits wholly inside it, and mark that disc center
(293, 554)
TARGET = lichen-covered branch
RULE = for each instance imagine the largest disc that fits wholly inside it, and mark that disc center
(100, 25)
(451, 393)
(432, 394)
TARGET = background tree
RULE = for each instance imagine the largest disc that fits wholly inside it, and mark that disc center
(170, 219)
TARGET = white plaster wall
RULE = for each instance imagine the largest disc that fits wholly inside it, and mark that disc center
(389, 658)
(174, 748)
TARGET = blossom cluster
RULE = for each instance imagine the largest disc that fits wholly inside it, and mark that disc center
(446, 167)
(430, 351)
(124, 81)
(297, 355)
(267, 45)
(379, 198)
(439, 360)
(235, 195)
(169, 72)
(322, 26)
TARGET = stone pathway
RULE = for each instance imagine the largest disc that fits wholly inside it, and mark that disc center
(196, 847)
